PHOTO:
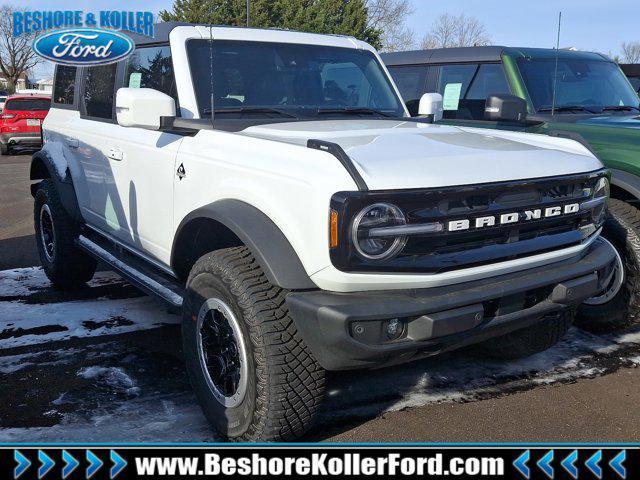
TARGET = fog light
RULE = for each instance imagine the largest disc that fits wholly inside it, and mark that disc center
(394, 329)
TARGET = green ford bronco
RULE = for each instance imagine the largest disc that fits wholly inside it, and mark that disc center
(579, 95)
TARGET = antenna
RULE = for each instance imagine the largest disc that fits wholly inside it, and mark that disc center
(555, 75)
(212, 106)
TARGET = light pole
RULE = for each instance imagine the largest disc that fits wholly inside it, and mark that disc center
(248, 10)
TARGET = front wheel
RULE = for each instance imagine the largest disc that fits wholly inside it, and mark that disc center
(617, 305)
(252, 373)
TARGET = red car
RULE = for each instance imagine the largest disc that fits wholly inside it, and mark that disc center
(20, 121)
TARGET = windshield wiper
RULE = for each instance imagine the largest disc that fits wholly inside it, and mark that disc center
(353, 110)
(566, 108)
(277, 111)
(620, 108)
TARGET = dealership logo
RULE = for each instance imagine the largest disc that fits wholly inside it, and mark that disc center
(512, 217)
(83, 46)
(73, 37)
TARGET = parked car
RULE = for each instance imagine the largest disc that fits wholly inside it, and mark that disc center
(516, 89)
(21, 120)
(632, 71)
(302, 221)
(3, 99)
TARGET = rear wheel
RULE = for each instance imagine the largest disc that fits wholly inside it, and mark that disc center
(618, 304)
(530, 340)
(64, 264)
(4, 149)
(252, 373)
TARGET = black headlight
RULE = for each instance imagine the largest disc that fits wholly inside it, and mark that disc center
(374, 231)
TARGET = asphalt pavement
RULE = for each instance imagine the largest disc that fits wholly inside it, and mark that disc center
(103, 364)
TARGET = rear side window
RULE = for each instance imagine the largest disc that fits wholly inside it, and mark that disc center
(28, 104)
(99, 85)
(64, 85)
(411, 83)
(151, 67)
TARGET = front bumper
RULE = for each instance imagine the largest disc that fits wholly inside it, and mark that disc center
(347, 330)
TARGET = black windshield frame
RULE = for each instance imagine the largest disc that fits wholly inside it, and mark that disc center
(395, 108)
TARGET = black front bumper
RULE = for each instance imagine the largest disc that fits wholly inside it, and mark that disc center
(348, 330)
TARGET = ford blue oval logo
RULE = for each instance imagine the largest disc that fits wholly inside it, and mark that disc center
(83, 46)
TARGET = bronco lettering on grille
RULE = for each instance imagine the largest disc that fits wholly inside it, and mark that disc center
(512, 217)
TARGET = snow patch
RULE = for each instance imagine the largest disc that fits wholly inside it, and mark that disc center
(113, 377)
(61, 321)
(25, 281)
(171, 419)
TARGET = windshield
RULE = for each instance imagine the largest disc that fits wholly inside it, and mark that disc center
(28, 104)
(590, 84)
(289, 80)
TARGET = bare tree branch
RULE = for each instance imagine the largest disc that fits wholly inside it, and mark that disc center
(631, 52)
(16, 54)
(456, 31)
(389, 16)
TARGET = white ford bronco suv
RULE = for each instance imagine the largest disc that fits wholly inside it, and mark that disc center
(272, 186)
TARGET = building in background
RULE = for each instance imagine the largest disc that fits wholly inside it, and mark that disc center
(44, 85)
(23, 82)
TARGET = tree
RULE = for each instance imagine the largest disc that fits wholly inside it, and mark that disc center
(343, 17)
(389, 17)
(16, 55)
(631, 52)
(456, 31)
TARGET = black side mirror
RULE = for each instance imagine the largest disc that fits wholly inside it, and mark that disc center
(505, 108)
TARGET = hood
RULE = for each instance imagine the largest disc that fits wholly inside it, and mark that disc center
(396, 154)
(617, 121)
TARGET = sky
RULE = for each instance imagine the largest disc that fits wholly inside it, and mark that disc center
(600, 25)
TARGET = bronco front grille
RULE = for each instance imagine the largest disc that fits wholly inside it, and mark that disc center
(471, 246)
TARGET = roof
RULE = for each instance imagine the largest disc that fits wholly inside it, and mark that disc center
(161, 33)
(163, 29)
(479, 54)
(632, 69)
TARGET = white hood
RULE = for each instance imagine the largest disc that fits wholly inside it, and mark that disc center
(393, 154)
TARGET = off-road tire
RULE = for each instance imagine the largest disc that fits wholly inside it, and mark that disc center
(285, 383)
(622, 229)
(530, 340)
(68, 266)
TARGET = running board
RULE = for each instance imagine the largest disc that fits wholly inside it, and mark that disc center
(135, 270)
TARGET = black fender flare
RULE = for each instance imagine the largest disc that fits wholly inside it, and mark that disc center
(627, 181)
(269, 245)
(43, 166)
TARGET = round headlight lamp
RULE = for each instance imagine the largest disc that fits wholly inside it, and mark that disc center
(372, 231)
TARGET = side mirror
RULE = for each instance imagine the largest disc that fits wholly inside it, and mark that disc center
(505, 108)
(143, 107)
(431, 106)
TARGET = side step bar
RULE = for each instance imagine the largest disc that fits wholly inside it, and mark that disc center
(135, 270)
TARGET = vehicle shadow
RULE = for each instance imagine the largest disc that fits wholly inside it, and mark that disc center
(18, 252)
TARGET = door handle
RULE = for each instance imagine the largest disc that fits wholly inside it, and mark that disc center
(72, 142)
(115, 154)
